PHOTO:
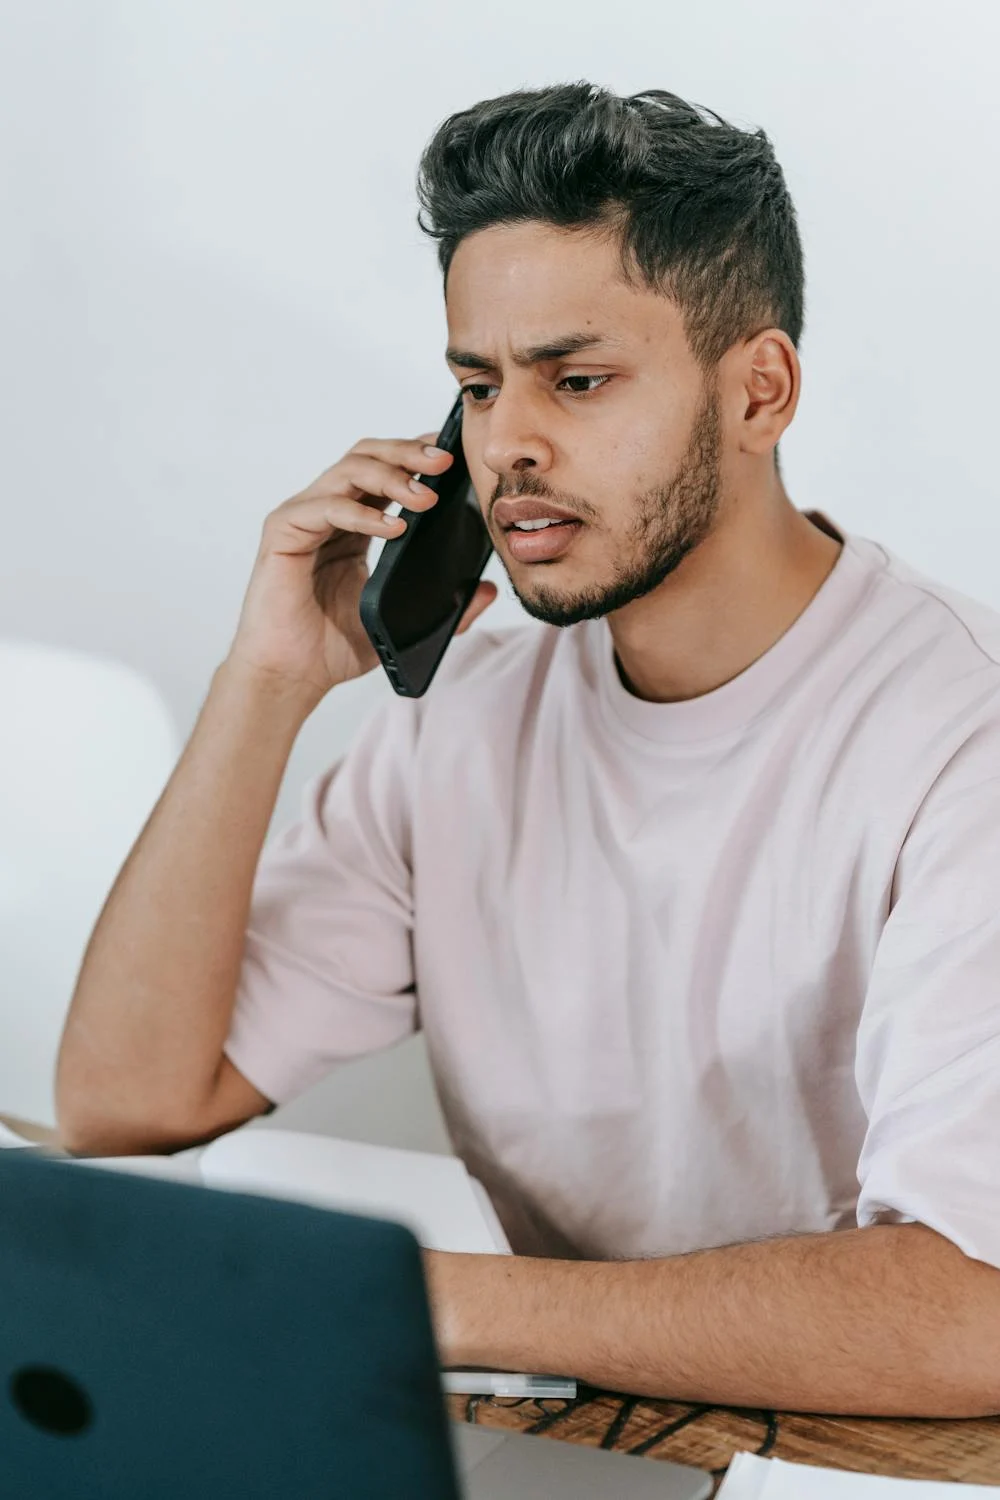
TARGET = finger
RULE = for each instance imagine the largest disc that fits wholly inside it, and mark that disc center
(405, 455)
(370, 481)
(302, 525)
(481, 600)
(409, 453)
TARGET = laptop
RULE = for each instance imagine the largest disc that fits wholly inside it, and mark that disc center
(161, 1339)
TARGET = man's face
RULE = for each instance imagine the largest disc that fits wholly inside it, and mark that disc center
(625, 435)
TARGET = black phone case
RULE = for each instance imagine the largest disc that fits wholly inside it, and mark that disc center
(412, 669)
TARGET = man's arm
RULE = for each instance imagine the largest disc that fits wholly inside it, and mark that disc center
(141, 1065)
(892, 1320)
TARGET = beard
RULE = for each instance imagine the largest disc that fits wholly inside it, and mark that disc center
(670, 521)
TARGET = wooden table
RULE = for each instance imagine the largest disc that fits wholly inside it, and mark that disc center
(708, 1436)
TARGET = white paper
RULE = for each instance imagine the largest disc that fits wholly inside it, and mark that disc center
(489, 1213)
(8, 1138)
(181, 1167)
(432, 1195)
(745, 1478)
(752, 1478)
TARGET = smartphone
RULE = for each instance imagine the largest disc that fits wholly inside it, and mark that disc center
(421, 585)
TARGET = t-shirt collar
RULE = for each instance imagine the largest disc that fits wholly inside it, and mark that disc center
(732, 706)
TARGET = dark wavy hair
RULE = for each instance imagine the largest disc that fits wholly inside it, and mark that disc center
(699, 207)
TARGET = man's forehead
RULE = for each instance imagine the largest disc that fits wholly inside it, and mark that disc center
(555, 278)
(526, 294)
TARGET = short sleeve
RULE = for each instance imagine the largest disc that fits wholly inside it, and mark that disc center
(327, 970)
(928, 1058)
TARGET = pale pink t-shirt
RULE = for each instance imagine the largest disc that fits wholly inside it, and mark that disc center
(689, 973)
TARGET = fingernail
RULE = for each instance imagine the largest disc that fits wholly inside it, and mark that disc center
(434, 452)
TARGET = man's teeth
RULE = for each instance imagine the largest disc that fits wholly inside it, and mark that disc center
(534, 525)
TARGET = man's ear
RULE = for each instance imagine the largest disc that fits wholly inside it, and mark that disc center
(769, 379)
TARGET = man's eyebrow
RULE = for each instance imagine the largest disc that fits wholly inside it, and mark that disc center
(535, 354)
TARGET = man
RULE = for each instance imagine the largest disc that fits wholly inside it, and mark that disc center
(691, 881)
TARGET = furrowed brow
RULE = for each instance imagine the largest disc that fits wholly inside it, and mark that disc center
(535, 354)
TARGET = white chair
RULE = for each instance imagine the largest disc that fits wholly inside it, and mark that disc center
(86, 747)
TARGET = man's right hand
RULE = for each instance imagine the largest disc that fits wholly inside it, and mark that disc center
(301, 622)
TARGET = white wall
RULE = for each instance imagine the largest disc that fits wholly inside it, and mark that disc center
(212, 284)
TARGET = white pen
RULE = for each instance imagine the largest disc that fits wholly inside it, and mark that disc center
(499, 1383)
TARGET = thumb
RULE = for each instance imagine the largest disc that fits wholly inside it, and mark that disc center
(484, 596)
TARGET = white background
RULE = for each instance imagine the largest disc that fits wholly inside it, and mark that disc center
(212, 284)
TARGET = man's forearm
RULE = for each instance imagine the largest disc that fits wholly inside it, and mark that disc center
(153, 1003)
(893, 1320)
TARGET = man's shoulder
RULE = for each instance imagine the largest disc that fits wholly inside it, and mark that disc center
(493, 679)
(969, 625)
(929, 655)
(482, 663)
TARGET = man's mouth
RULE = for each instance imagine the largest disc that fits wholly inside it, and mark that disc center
(538, 525)
(541, 541)
(526, 513)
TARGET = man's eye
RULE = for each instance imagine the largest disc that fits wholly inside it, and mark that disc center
(602, 378)
(477, 400)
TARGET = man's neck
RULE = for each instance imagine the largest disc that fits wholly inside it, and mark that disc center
(727, 604)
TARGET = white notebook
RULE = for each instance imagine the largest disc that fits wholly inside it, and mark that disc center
(751, 1478)
(432, 1195)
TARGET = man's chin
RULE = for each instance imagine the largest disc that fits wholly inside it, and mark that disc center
(562, 607)
(566, 606)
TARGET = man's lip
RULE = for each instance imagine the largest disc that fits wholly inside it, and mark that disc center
(507, 512)
(542, 546)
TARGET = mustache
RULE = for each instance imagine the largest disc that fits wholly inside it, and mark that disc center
(533, 489)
